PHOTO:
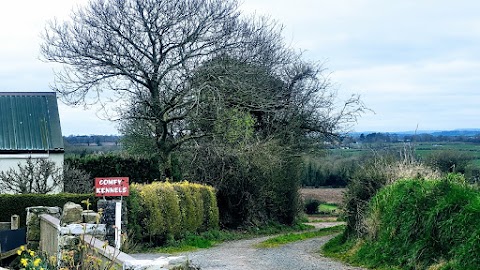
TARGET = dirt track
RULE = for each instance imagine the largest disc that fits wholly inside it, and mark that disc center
(243, 255)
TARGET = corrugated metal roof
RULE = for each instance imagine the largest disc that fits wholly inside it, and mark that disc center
(29, 122)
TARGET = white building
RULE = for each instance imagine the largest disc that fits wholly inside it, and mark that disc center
(29, 128)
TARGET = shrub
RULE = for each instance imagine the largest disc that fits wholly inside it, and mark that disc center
(162, 212)
(138, 169)
(369, 179)
(311, 206)
(16, 204)
(255, 185)
(36, 175)
(449, 160)
(76, 180)
(332, 171)
(416, 224)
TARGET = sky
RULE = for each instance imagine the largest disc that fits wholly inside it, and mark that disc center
(415, 64)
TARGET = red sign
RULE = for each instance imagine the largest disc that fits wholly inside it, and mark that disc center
(111, 186)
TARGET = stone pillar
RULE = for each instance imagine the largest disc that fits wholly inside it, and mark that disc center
(72, 213)
(90, 216)
(33, 223)
(108, 218)
(74, 224)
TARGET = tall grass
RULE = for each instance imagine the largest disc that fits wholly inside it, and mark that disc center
(420, 224)
(374, 175)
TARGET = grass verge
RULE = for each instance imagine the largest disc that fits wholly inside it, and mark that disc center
(294, 237)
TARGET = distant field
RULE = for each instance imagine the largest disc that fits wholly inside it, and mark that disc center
(425, 148)
(328, 195)
(422, 149)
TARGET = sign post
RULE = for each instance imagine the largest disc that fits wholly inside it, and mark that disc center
(111, 186)
(118, 224)
(114, 187)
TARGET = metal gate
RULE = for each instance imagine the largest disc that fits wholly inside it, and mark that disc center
(11, 240)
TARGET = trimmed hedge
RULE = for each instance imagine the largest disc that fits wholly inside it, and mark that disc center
(139, 170)
(16, 204)
(161, 212)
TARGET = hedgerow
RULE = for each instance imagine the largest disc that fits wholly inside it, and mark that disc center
(420, 224)
(162, 211)
(16, 204)
(138, 169)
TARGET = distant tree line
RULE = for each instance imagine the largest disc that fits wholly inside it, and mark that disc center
(90, 140)
(337, 170)
(378, 137)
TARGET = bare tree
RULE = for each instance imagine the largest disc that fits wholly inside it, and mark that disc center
(76, 180)
(141, 53)
(35, 176)
(144, 55)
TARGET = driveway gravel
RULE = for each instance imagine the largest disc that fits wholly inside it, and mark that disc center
(243, 255)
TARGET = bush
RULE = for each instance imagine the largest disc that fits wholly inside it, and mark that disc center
(76, 180)
(449, 161)
(162, 212)
(36, 175)
(332, 171)
(415, 224)
(139, 170)
(372, 177)
(16, 204)
(255, 185)
(311, 206)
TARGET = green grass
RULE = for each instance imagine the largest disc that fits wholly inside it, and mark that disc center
(328, 208)
(294, 237)
(422, 149)
(417, 225)
(208, 239)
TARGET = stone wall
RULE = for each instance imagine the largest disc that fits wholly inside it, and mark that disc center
(108, 218)
(59, 234)
(33, 223)
(49, 234)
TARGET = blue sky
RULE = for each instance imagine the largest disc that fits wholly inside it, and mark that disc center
(413, 62)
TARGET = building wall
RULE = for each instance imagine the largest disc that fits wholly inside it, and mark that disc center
(8, 161)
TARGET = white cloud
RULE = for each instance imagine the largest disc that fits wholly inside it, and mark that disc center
(412, 61)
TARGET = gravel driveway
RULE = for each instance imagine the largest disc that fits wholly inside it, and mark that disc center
(242, 255)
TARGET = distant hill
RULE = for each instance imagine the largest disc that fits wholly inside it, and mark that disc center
(458, 132)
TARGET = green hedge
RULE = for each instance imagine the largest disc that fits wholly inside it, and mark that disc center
(417, 224)
(16, 204)
(139, 170)
(161, 212)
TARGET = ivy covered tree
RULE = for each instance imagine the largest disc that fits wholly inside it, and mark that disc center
(143, 52)
(197, 83)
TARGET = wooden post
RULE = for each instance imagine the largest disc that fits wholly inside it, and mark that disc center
(118, 224)
(14, 222)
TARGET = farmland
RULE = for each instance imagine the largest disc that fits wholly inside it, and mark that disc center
(327, 195)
